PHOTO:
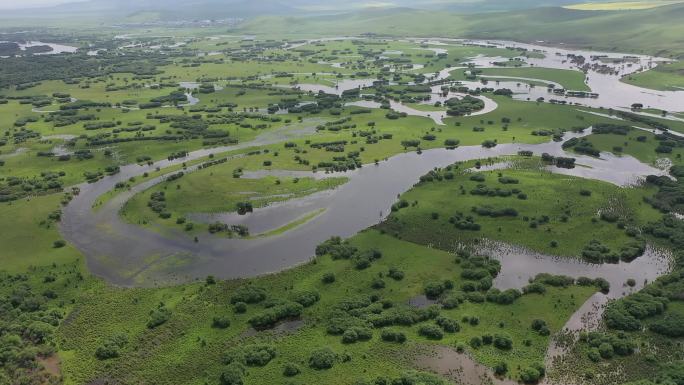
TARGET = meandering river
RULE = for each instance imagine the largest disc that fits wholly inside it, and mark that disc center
(131, 255)
(605, 69)
(127, 254)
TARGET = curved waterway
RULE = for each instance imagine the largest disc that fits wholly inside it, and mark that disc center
(130, 255)
(613, 92)
(127, 254)
(437, 116)
(603, 76)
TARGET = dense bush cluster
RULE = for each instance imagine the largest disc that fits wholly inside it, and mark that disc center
(338, 249)
(306, 298)
(250, 355)
(627, 313)
(28, 319)
(464, 222)
(355, 317)
(463, 106)
(111, 347)
(389, 335)
(671, 325)
(13, 188)
(322, 359)
(609, 128)
(607, 345)
(670, 195)
(597, 252)
(487, 211)
(558, 161)
(158, 317)
(231, 230)
(248, 294)
(582, 146)
(272, 315)
(644, 120)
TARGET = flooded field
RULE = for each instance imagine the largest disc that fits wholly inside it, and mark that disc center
(458, 367)
(54, 47)
(603, 73)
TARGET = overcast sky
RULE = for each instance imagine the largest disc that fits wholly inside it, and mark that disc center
(16, 4)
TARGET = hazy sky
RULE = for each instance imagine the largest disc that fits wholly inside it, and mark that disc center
(15, 4)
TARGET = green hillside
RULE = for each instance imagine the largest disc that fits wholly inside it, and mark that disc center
(654, 31)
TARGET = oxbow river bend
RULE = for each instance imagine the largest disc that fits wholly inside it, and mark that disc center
(121, 252)
(129, 255)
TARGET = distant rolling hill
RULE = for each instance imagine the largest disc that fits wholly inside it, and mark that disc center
(215, 9)
(117, 10)
(655, 31)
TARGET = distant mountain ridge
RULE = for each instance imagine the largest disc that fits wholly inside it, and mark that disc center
(216, 9)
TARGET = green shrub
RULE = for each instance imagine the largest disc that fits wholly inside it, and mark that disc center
(291, 370)
(432, 332)
(503, 342)
(269, 317)
(231, 375)
(395, 274)
(328, 278)
(447, 324)
(672, 325)
(158, 317)
(58, 244)
(306, 298)
(248, 294)
(111, 347)
(392, 336)
(220, 323)
(501, 368)
(321, 359)
(240, 307)
(606, 350)
(433, 290)
(530, 375)
(257, 355)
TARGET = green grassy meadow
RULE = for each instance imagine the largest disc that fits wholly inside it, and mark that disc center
(544, 195)
(188, 349)
(60, 324)
(664, 77)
